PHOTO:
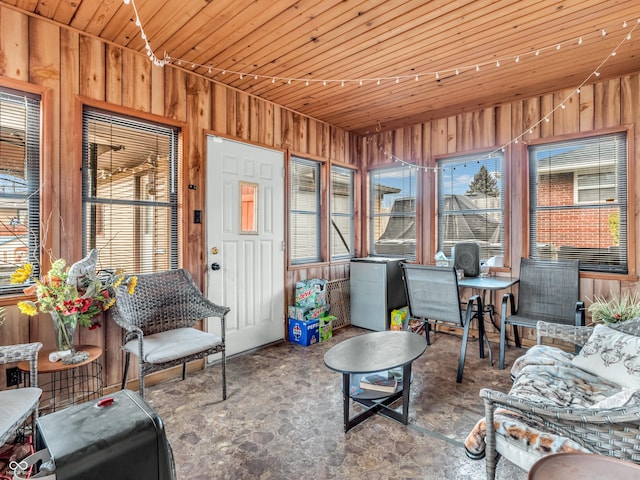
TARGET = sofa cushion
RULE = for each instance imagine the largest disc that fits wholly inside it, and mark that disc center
(612, 355)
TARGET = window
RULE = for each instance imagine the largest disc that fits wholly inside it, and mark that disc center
(342, 214)
(304, 219)
(130, 192)
(471, 203)
(393, 212)
(579, 201)
(19, 184)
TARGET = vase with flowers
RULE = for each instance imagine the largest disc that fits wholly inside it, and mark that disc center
(72, 295)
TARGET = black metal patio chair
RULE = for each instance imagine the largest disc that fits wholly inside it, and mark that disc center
(549, 290)
(433, 297)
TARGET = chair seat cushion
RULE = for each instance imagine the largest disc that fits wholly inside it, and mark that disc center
(173, 344)
(17, 405)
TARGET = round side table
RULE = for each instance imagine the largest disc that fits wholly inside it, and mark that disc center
(569, 466)
(67, 384)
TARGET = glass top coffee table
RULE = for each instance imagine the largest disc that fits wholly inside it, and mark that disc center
(369, 353)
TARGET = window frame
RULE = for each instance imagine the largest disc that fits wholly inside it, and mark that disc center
(414, 178)
(38, 166)
(630, 192)
(352, 192)
(319, 167)
(176, 165)
(578, 188)
(444, 162)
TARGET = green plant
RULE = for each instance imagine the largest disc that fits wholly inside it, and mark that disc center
(614, 227)
(615, 309)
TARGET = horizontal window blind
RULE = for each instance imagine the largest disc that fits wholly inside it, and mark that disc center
(19, 184)
(471, 203)
(130, 192)
(578, 208)
(342, 213)
(393, 212)
(304, 216)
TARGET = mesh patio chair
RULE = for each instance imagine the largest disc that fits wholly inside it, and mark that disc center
(433, 297)
(548, 290)
(20, 403)
(159, 321)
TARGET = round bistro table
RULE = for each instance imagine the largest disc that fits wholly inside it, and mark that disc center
(67, 384)
(569, 466)
(369, 353)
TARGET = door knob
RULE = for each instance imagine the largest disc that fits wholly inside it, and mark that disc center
(215, 266)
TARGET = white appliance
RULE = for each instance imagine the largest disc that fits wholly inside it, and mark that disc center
(377, 288)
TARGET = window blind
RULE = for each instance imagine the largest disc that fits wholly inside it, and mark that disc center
(19, 184)
(304, 217)
(130, 192)
(578, 209)
(393, 212)
(471, 203)
(342, 214)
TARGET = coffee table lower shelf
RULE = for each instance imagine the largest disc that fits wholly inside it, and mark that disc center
(374, 401)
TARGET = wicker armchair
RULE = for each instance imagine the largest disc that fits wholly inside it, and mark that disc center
(159, 321)
(20, 403)
(614, 432)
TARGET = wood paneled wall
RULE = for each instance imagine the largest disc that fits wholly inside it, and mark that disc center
(72, 68)
(605, 105)
(69, 67)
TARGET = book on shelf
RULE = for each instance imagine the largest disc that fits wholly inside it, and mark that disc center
(381, 382)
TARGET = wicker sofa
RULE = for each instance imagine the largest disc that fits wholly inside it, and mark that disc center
(561, 402)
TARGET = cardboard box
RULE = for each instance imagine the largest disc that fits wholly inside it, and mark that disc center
(398, 318)
(311, 293)
(302, 313)
(325, 326)
(303, 332)
(316, 312)
(297, 313)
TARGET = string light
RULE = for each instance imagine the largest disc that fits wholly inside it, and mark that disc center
(166, 59)
(515, 140)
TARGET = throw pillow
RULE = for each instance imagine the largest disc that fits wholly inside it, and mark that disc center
(612, 355)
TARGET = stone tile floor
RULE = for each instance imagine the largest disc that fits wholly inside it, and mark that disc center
(283, 418)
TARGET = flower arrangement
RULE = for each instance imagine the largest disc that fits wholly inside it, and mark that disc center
(616, 309)
(74, 295)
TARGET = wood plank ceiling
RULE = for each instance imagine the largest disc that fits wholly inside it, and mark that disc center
(374, 64)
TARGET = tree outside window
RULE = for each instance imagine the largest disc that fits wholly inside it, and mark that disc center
(471, 203)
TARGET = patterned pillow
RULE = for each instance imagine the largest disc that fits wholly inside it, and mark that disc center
(612, 355)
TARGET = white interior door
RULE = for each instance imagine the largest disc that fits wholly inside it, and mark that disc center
(248, 247)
